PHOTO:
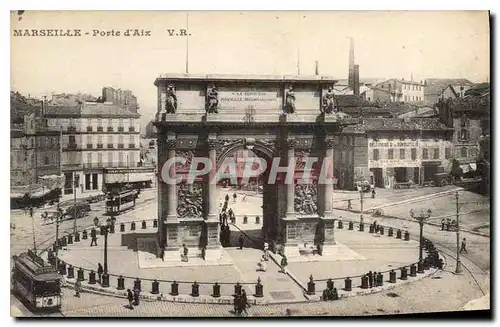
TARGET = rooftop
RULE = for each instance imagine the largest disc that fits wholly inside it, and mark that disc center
(246, 78)
(397, 124)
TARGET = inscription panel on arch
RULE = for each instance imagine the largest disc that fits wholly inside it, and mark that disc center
(244, 98)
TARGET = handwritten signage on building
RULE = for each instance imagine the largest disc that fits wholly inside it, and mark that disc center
(245, 98)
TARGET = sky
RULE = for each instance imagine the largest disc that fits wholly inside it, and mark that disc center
(450, 44)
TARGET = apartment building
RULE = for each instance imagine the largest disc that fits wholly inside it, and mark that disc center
(399, 90)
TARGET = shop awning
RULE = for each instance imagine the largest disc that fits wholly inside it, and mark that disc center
(52, 182)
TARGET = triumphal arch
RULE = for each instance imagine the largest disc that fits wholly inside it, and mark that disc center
(283, 119)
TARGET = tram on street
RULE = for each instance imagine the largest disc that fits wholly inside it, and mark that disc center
(120, 201)
(39, 285)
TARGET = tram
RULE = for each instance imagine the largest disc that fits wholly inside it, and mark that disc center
(39, 285)
(120, 201)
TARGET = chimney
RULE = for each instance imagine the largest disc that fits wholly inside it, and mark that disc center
(350, 81)
(356, 80)
(316, 70)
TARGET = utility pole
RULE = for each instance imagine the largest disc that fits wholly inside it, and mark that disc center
(33, 229)
(458, 269)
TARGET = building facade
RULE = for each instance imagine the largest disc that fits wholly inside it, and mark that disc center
(96, 136)
(122, 98)
(444, 88)
(400, 90)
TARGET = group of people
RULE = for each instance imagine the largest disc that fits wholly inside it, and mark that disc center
(241, 303)
(372, 278)
(448, 223)
(133, 297)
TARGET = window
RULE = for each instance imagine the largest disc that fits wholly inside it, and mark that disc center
(94, 181)
(120, 158)
(99, 122)
(413, 154)
(425, 153)
(375, 154)
(89, 122)
(99, 139)
(390, 154)
(447, 153)
(120, 122)
(89, 158)
(110, 122)
(88, 182)
(120, 139)
(99, 159)
(436, 153)
(110, 158)
(46, 160)
(132, 159)
(463, 152)
(401, 153)
(71, 122)
(72, 139)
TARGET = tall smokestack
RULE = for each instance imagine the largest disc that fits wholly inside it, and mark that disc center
(350, 81)
(355, 88)
(316, 69)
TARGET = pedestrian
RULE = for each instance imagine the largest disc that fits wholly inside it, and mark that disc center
(266, 251)
(185, 252)
(100, 271)
(130, 298)
(442, 224)
(284, 263)
(244, 198)
(244, 302)
(241, 241)
(349, 205)
(448, 222)
(93, 236)
(463, 247)
(78, 288)
(227, 197)
(236, 304)
(136, 296)
(373, 194)
(370, 278)
(234, 197)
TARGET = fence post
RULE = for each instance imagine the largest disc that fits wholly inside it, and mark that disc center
(121, 283)
(351, 225)
(92, 277)
(195, 289)
(155, 286)
(361, 227)
(348, 284)
(216, 290)
(259, 288)
(174, 290)
(71, 272)
(311, 286)
(404, 273)
(70, 239)
(237, 289)
(80, 274)
(364, 282)
(77, 237)
(392, 276)
(329, 284)
(413, 270)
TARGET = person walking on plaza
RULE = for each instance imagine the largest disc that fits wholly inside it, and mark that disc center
(244, 302)
(370, 278)
(442, 224)
(130, 298)
(93, 236)
(236, 304)
(448, 222)
(284, 263)
(463, 247)
(185, 252)
(373, 194)
(234, 197)
(100, 271)
(241, 241)
(349, 205)
(266, 251)
(227, 197)
(78, 288)
(137, 293)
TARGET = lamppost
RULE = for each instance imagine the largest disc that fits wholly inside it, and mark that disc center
(361, 195)
(76, 183)
(458, 268)
(109, 226)
(424, 215)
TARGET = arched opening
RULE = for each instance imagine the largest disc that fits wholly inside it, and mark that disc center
(249, 204)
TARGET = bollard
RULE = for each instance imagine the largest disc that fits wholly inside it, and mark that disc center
(380, 279)
(311, 286)
(77, 237)
(364, 282)
(404, 273)
(372, 229)
(259, 288)
(121, 283)
(80, 274)
(71, 272)
(62, 268)
(216, 291)
(132, 226)
(195, 289)
(351, 225)
(137, 284)
(361, 227)
(329, 284)
(155, 223)
(63, 241)
(105, 280)
(420, 266)
(144, 224)
(426, 264)
(413, 270)
(407, 236)
(155, 287)
(112, 228)
(391, 232)
(237, 289)
(122, 227)
(340, 224)
(92, 277)
(174, 289)
(335, 294)
(381, 230)
(348, 284)
(398, 234)
(70, 239)
(392, 276)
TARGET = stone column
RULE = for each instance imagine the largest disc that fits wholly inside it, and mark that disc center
(171, 223)
(290, 221)
(213, 249)
(327, 221)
